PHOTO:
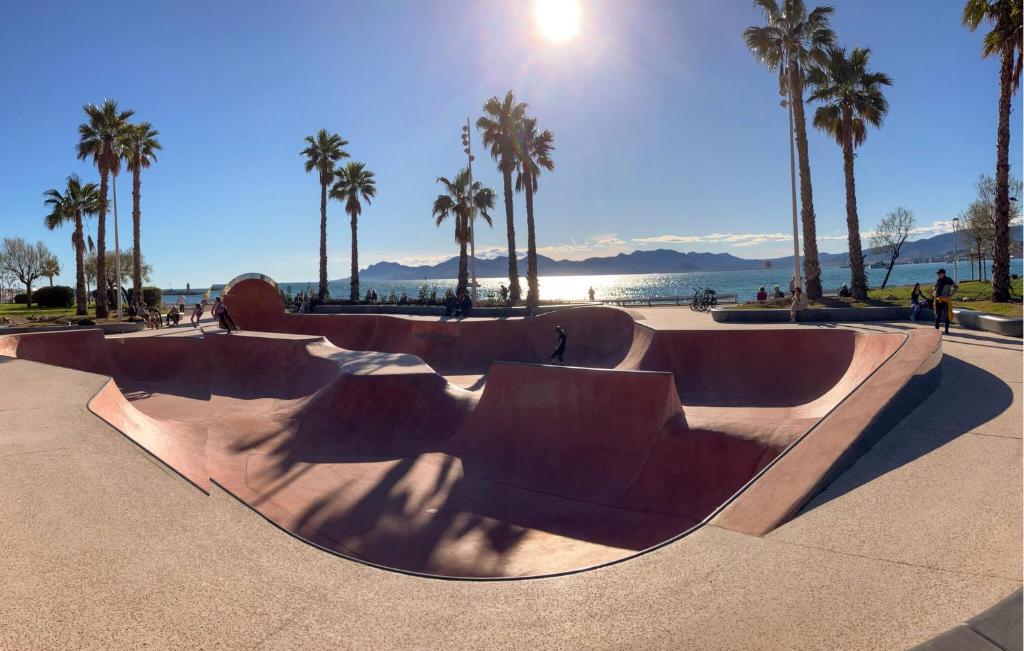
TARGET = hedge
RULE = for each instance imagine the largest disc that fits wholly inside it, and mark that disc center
(21, 299)
(56, 296)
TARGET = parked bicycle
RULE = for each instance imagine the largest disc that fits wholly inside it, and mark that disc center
(704, 299)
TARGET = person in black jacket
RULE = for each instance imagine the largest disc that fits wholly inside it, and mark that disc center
(559, 353)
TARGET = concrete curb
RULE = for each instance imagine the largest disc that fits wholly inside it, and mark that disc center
(437, 310)
(970, 319)
(107, 328)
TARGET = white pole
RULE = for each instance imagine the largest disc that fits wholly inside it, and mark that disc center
(792, 187)
(472, 211)
(956, 279)
(117, 248)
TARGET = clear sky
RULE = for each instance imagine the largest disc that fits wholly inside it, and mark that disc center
(667, 132)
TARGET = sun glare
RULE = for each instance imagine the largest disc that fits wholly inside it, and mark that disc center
(557, 20)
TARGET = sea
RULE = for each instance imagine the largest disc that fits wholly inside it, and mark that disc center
(636, 286)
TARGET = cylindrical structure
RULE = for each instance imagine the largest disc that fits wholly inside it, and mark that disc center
(117, 250)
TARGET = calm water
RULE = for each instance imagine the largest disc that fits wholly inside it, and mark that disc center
(742, 283)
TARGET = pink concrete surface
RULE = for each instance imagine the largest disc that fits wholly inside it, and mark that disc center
(341, 430)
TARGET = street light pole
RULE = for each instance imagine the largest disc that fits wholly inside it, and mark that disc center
(956, 227)
(117, 249)
(468, 149)
(788, 104)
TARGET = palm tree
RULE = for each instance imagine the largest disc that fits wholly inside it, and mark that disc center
(138, 147)
(1004, 40)
(463, 202)
(792, 41)
(852, 99)
(99, 137)
(78, 199)
(499, 125)
(323, 151)
(534, 152)
(352, 182)
(51, 268)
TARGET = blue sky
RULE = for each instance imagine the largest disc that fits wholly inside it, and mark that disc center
(667, 132)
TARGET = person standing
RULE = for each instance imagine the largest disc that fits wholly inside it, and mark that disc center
(943, 294)
(559, 353)
(181, 303)
(799, 304)
(590, 293)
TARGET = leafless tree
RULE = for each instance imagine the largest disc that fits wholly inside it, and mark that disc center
(26, 262)
(891, 234)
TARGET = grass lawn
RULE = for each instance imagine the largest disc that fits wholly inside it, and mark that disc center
(43, 316)
(972, 295)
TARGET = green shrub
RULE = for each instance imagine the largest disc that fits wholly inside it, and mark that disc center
(21, 299)
(153, 296)
(56, 296)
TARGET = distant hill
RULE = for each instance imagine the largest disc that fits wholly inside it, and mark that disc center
(657, 261)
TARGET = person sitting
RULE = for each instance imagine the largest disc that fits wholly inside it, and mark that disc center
(777, 293)
(173, 316)
(449, 304)
(466, 304)
(799, 304)
(844, 291)
(916, 301)
(762, 295)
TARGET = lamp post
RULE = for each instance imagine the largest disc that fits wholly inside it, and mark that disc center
(467, 147)
(792, 189)
(956, 227)
(117, 249)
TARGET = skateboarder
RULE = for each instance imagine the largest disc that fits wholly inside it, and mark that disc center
(560, 350)
(220, 311)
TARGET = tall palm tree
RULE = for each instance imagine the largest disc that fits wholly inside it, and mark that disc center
(499, 125)
(791, 42)
(77, 200)
(138, 148)
(322, 152)
(852, 99)
(98, 139)
(534, 152)
(463, 203)
(1005, 40)
(354, 181)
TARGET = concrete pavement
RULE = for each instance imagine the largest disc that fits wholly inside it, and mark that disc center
(104, 547)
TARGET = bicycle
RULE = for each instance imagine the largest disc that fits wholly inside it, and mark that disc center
(704, 299)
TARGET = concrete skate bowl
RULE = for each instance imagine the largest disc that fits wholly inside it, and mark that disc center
(375, 456)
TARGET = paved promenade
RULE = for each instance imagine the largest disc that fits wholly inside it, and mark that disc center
(103, 547)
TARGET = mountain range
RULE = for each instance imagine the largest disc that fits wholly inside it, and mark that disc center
(658, 261)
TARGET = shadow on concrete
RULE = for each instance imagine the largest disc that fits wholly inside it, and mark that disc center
(967, 397)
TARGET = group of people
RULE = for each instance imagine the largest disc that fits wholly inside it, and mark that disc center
(154, 319)
(458, 304)
(940, 301)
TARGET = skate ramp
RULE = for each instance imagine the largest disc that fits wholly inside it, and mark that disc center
(376, 456)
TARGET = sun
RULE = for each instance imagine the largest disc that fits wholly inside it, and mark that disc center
(557, 20)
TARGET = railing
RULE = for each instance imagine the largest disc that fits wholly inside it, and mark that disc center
(653, 301)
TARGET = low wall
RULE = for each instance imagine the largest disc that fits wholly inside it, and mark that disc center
(436, 310)
(107, 328)
(970, 319)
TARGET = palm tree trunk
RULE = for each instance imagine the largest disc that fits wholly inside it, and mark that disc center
(137, 230)
(812, 270)
(462, 230)
(533, 291)
(322, 295)
(81, 297)
(101, 249)
(1001, 245)
(354, 284)
(858, 279)
(513, 264)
